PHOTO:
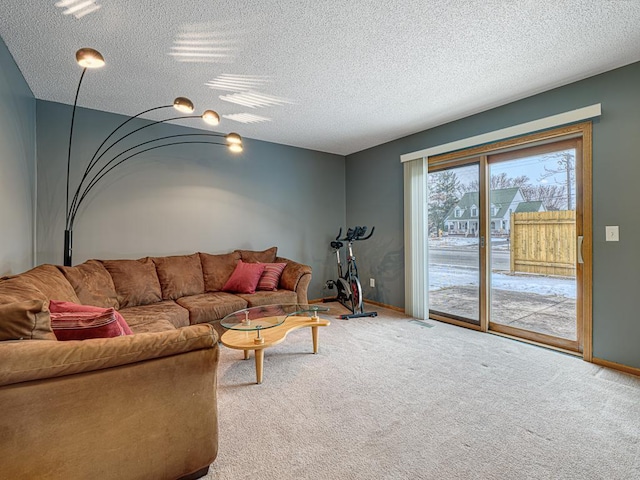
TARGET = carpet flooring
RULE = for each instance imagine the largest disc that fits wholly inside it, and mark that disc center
(391, 397)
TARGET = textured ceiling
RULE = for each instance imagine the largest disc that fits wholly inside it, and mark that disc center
(332, 75)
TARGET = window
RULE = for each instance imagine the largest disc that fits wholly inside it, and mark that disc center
(474, 211)
(458, 212)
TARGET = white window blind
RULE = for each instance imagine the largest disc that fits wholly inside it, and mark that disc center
(415, 241)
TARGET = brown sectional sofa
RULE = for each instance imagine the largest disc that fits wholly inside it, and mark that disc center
(139, 406)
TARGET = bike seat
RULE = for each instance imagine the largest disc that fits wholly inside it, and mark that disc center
(337, 245)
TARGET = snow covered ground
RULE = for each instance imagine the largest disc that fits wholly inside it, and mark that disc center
(452, 242)
(442, 276)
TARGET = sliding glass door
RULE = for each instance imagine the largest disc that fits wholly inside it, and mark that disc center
(506, 224)
(533, 261)
(453, 212)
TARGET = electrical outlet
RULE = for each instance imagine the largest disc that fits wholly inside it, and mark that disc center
(612, 233)
(372, 282)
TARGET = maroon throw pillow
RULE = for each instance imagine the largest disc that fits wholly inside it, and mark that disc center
(85, 325)
(244, 278)
(56, 306)
(270, 278)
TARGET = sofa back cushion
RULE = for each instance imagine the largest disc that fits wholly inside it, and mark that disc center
(217, 269)
(92, 283)
(17, 288)
(179, 276)
(25, 320)
(254, 256)
(136, 281)
(51, 282)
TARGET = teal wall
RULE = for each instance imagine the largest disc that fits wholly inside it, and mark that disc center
(374, 197)
(187, 198)
(17, 167)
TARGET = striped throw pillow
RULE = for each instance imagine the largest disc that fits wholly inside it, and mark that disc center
(56, 306)
(271, 276)
(85, 325)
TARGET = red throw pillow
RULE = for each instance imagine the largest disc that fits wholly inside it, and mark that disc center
(56, 306)
(244, 278)
(271, 276)
(85, 325)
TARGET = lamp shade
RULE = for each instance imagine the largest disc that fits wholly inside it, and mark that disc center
(234, 142)
(183, 104)
(89, 58)
(211, 117)
(234, 139)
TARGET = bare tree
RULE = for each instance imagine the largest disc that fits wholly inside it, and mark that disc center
(498, 182)
(553, 197)
(566, 165)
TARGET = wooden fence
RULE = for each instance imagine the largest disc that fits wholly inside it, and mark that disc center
(544, 243)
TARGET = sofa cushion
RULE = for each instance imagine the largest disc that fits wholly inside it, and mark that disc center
(269, 298)
(85, 325)
(166, 315)
(70, 307)
(255, 256)
(17, 288)
(211, 306)
(136, 281)
(270, 278)
(217, 269)
(244, 278)
(92, 283)
(25, 320)
(51, 282)
(179, 275)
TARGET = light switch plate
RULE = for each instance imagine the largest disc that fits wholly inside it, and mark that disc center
(612, 233)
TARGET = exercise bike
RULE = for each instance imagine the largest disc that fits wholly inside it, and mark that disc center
(349, 289)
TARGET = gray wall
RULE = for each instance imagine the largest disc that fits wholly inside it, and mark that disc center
(374, 197)
(17, 167)
(187, 198)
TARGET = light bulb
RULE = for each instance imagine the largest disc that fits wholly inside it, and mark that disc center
(235, 147)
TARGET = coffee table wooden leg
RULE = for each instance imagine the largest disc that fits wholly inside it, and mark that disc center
(246, 354)
(314, 335)
(259, 362)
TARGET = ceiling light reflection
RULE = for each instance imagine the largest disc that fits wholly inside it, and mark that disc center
(210, 45)
(78, 8)
(246, 118)
(254, 99)
(238, 83)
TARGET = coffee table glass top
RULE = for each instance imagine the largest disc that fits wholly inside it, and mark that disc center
(267, 316)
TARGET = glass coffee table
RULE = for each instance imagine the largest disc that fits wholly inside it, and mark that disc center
(257, 328)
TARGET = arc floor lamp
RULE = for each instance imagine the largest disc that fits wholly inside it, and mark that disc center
(107, 157)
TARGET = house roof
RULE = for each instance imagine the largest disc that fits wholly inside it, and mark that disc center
(526, 207)
(501, 198)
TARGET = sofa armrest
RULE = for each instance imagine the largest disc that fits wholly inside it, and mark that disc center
(27, 360)
(296, 277)
(154, 418)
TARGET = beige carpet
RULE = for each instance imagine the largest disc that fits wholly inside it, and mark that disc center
(393, 398)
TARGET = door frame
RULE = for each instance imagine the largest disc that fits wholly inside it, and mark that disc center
(584, 222)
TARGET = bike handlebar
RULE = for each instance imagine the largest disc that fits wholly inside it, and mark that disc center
(355, 234)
